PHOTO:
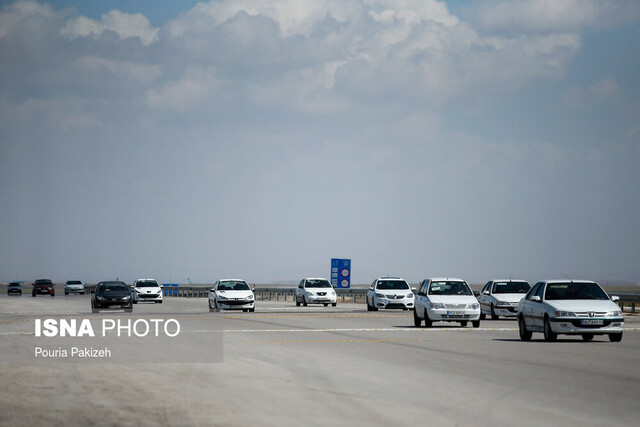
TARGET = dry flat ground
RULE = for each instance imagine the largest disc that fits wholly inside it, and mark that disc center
(321, 366)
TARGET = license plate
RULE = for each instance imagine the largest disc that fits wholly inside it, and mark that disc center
(591, 322)
(455, 313)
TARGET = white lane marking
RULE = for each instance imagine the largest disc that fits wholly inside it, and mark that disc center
(370, 330)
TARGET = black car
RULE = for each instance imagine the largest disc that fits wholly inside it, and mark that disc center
(43, 286)
(112, 294)
(14, 288)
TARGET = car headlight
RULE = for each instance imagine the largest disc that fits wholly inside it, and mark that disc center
(250, 297)
(473, 306)
(310, 293)
(614, 314)
(379, 296)
(436, 305)
(504, 303)
(222, 297)
(410, 295)
(126, 297)
(565, 314)
(99, 298)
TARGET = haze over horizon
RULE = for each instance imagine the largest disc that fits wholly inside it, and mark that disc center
(259, 139)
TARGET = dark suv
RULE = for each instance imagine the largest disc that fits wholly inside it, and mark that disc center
(43, 286)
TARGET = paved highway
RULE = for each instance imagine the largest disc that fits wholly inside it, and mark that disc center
(284, 365)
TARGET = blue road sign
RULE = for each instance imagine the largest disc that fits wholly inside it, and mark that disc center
(341, 272)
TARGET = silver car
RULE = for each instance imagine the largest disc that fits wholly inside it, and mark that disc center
(74, 287)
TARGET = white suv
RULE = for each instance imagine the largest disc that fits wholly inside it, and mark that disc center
(146, 290)
(447, 300)
(315, 291)
(389, 292)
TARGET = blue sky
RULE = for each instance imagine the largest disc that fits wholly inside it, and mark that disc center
(259, 139)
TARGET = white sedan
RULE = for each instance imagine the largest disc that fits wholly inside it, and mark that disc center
(389, 292)
(446, 300)
(501, 298)
(315, 291)
(148, 290)
(569, 307)
(231, 294)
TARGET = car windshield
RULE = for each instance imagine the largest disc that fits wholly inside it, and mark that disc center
(569, 291)
(112, 286)
(392, 284)
(449, 288)
(317, 284)
(233, 286)
(74, 282)
(44, 282)
(511, 287)
(147, 284)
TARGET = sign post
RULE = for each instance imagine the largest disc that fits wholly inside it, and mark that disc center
(341, 273)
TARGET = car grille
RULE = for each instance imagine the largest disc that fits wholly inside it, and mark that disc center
(588, 314)
(148, 295)
(394, 296)
(455, 305)
(395, 305)
(235, 302)
(322, 294)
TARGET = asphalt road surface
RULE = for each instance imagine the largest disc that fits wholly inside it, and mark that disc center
(284, 365)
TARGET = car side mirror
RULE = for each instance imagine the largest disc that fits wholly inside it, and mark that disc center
(615, 298)
(93, 291)
(413, 290)
(370, 288)
(476, 293)
(536, 298)
(212, 290)
(485, 292)
(253, 289)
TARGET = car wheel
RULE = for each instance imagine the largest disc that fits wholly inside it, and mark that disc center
(463, 323)
(475, 323)
(160, 302)
(587, 337)
(251, 310)
(333, 304)
(482, 316)
(494, 316)
(326, 304)
(53, 295)
(525, 335)
(297, 302)
(33, 295)
(615, 337)
(128, 310)
(369, 307)
(427, 322)
(134, 301)
(66, 293)
(212, 308)
(549, 335)
(416, 320)
(304, 301)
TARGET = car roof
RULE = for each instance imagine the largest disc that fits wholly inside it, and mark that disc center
(445, 279)
(390, 278)
(315, 278)
(508, 280)
(146, 280)
(567, 281)
(232, 280)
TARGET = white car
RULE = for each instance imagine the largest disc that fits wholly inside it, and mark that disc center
(74, 287)
(501, 298)
(231, 294)
(446, 300)
(569, 307)
(315, 291)
(389, 292)
(146, 290)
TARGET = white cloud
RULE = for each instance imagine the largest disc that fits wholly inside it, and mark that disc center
(125, 25)
(601, 91)
(553, 15)
(197, 88)
(13, 15)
